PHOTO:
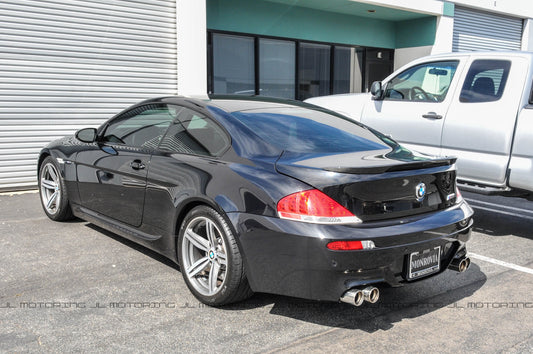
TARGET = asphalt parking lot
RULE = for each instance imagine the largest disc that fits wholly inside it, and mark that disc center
(75, 287)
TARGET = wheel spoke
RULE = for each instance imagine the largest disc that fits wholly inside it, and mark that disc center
(197, 267)
(51, 200)
(211, 233)
(48, 184)
(52, 172)
(221, 257)
(213, 277)
(197, 240)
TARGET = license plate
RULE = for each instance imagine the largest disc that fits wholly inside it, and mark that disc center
(424, 263)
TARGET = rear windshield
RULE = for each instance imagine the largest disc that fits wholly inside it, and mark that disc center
(305, 130)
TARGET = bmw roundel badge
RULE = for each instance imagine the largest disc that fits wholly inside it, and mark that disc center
(420, 191)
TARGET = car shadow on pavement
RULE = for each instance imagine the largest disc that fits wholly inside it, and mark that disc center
(448, 291)
(137, 247)
(444, 291)
(497, 224)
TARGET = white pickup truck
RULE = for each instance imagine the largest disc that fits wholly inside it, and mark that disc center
(476, 106)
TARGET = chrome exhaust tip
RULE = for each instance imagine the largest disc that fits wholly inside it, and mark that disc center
(371, 294)
(460, 264)
(353, 297)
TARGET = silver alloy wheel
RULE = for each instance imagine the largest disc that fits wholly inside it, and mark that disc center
(203, 251)
(50, 188)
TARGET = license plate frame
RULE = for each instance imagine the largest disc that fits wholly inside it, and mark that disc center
(423, 263)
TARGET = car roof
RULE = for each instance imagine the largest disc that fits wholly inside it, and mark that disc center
(479, 54)
(231, 103)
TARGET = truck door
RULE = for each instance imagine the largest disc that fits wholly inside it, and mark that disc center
(415, 104)
(480, 124)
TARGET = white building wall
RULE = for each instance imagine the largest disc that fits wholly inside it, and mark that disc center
(443, 36)
(527, 37)
(403, 56)
(192, 44)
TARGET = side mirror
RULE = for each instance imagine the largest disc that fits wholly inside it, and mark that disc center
(376, 90)
(87, 135)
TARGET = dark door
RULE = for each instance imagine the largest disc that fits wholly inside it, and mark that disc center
(379, 65)
(112, 174)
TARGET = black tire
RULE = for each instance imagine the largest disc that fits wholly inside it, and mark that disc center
(203, 254)
(53, 191)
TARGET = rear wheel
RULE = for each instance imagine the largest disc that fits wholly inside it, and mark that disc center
(53, 192)
(210, 261)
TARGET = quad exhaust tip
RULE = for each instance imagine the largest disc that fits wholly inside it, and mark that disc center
(460, 264)
(357, 296)
(371, 294)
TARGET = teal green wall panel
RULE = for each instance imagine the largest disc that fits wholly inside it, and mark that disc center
(416, 33)
(279, 20)
(448, 9)
(258, 17)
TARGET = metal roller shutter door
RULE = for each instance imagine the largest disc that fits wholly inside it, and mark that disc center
(65, 65)
(477, 30)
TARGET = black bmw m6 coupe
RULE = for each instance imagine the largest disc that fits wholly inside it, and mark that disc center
(262, 195)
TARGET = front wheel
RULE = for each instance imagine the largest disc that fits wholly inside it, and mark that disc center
(53, 192)
(210, 261)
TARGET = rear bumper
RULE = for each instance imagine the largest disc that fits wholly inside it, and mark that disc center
(291, 258)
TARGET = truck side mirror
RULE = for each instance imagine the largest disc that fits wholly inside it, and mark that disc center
(376, 90)
(87, 135)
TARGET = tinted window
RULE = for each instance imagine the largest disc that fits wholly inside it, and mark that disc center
(314, 70)
(277, 63)
(485, 81)
(233, 64)
(193, 133)
(140, 127)
(303, 130)
(531, 96)
(342, 69)
(426, 82)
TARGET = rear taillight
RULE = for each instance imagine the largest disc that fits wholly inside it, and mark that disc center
(315, 207)
(350, 245)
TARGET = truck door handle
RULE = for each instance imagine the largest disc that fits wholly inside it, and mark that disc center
(137, 165)
(432, 115)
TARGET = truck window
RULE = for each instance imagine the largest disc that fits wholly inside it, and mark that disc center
(427, 82)
(531, 96)
(485, 81)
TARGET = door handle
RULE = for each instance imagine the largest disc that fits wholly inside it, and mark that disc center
(137, 165)
(432, 115)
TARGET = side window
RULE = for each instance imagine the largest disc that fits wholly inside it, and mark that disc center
(142, 126)
(531, 96)
(427, 82)
(485, 81)
(194, 133)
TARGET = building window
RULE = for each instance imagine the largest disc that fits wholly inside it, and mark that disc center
(277, 71)
(288, 68)
(233, 64)
(343, 67)
(314, 70)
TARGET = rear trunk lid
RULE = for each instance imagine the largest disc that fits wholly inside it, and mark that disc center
(377, 185)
